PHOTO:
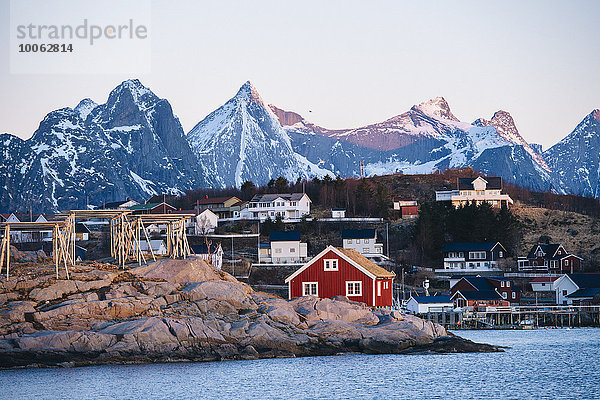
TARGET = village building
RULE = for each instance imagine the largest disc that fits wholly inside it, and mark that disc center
(157, 245)
(82, 233)
(223, 207)
(152, 208)
(476, 190)
(478, 300)
(505, 288)
(287, 206)
(577, 289)
(204, 221)
(338, 213)
(473, 257)
(406, 207)
(283, 248)
(119, 205)
(24, 236)
(551, 258)
(544, 283)
(215, 255)
(429, 304)
(343, 272)
(362, 240)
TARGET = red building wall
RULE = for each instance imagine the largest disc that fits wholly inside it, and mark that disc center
(409, 211)
(333, 283)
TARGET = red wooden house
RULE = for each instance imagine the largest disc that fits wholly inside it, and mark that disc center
(343, 272)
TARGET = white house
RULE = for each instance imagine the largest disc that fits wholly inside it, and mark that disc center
(287, 206)
(362, 240)
(544, 283)
(158, 247)
(215, 255)
(476, 190)
(425, 304)
(400, 202)
(284, 247)
(204, 221)
(574, 288)
(472, 257)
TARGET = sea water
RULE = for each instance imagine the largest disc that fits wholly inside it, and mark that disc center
(540, 364)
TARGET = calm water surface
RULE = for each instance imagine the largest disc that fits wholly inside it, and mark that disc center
(542, 364)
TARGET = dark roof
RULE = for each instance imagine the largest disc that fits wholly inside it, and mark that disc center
(81, 228)
(432, 299)
(264, 245)
(358, 234)
(113, 204)
(147, 206)
(586, 280)
(493, 183)
(283, 236)
(470, 246)
(480, 295)
(589, 292)
(272, 196)
(548, 249)
(479, 283)
(338, 209)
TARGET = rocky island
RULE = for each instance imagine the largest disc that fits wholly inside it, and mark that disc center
(186, 310)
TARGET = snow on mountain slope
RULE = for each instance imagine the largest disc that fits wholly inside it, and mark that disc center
(575, 160)
(243, 140)
(426, 138)
(131, 146)
(505, 126)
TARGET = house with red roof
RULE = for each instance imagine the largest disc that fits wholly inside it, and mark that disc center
(343, 272)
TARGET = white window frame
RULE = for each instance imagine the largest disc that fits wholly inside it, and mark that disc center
(476, 255)
(305, 285)
(330, 264)
(349, 241)
(514, 295)
(504, 295)
(501, 283)
(354, 291)
(378, 288)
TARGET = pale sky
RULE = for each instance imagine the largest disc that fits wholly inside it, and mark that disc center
(351, 62)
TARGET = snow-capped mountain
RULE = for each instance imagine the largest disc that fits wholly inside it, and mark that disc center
(243, 140)
(575, 160)
(426, 138)
(131, 146)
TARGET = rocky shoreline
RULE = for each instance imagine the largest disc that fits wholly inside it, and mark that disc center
(185, 310)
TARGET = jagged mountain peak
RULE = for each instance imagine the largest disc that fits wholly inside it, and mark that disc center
(248, 92)
(85, 107)
(596, 114)
(134, 90)
(437, 108)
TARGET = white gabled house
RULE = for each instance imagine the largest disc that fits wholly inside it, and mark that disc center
(476, 190)
(283, 248)
(287, 206)
(577, 288)
(426, 304)
(362, 240)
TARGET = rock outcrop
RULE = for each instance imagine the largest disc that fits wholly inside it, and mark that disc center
(175, 310)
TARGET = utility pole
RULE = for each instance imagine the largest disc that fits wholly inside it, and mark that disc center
(258, 248)
(387, 239)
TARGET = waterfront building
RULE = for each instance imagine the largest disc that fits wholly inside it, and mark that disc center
(503, 286)
(343, 272)
(427, 304)
(576, 289)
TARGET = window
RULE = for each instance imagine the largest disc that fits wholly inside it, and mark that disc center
(502, 284)
(330, 264)
(354, 288)
(566, 263)
(310, 289)
(504, 295)
(366, 241)
(514, 295)
(378, 288)
(292, 250)
(365, 249)
(564, 292)
(278, 250)
(386, 285)
(500, 254)
(477, 255)
(349, 241)
(507, 283)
